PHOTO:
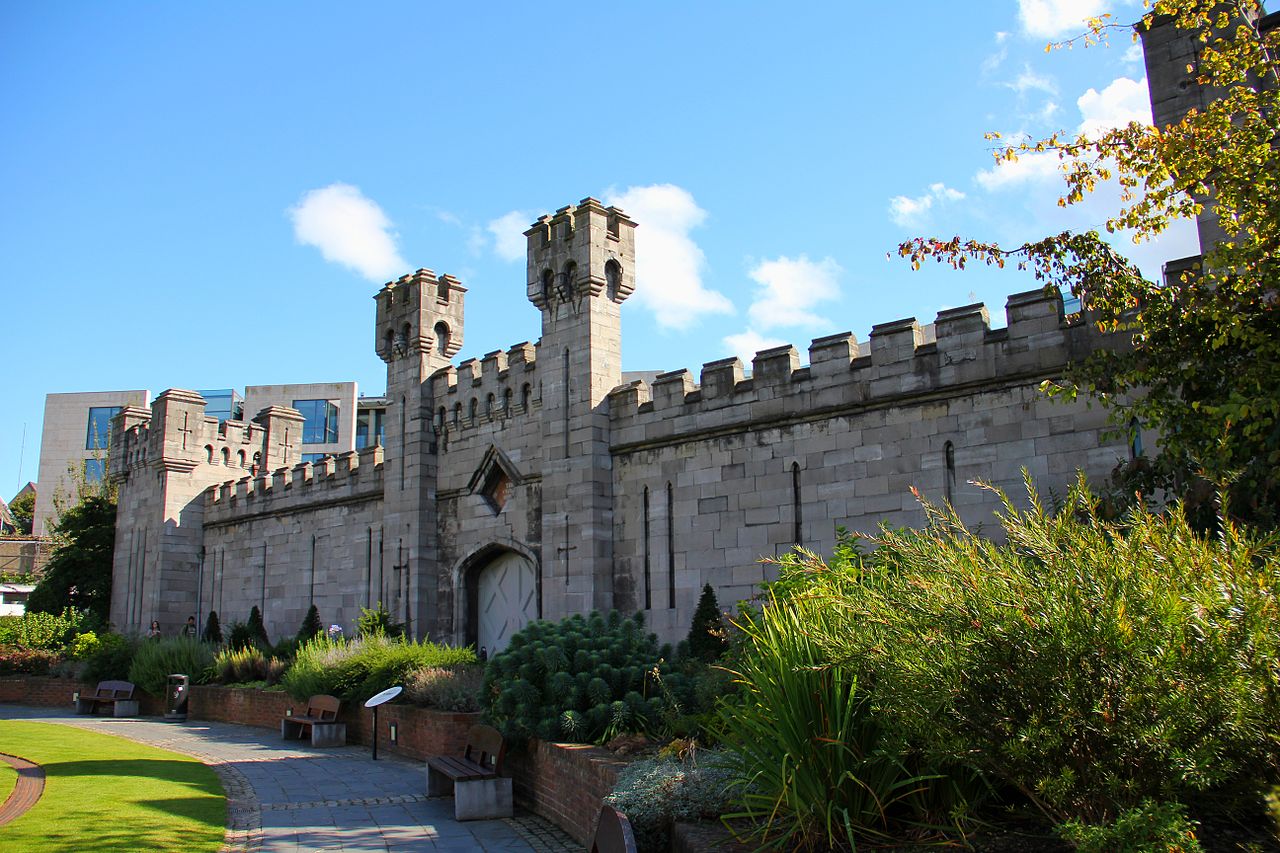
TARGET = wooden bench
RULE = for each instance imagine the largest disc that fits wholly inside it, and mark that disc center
(613, 833)
(320, 723)
(118, 695)
(480, 792)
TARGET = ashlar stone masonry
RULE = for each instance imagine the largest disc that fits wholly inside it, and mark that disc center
(535, 482)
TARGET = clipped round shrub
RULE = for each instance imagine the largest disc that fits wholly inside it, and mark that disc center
(584, 679)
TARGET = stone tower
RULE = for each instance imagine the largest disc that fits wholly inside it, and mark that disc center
(162, 461)
(1172, 60)
(419, 327)
(581, 266)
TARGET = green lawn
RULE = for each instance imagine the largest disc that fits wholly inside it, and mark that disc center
(105, 793)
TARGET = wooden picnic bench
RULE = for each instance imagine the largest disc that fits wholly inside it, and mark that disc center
(613, 832)
(320, 723)
(118, 695)
(480, 792)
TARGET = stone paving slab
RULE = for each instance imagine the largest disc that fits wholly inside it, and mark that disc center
(287, 797)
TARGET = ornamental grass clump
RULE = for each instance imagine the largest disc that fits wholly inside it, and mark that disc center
(242, 666)
(1093, 666)
(814, 764)
(155, 660)
(583, 679)
(355, 670)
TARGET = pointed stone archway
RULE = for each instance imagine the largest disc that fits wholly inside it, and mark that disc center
(502, 597)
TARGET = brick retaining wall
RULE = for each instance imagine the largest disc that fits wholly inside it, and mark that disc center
(563, 783)
(46, 692)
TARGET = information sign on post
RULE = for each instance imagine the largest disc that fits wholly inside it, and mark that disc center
(373, 702)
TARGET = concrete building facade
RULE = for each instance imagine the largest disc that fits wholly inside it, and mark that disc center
(73, 443)
(535, 482)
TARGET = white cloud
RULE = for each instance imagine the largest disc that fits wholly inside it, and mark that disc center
(1122, 101)
(1036, 167)
(789, 290)
(1001, 36)
(509, 242)
(909, 211)
(747, 343)
(669, 263)
(1029, 80)
(1053, 18)
(348, 229)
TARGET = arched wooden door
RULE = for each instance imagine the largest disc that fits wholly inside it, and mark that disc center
(507, 600)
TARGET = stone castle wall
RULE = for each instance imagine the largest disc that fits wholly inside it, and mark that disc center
(308, 533)
(736, 469)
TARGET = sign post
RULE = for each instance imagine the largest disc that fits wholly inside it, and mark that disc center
(373, 702)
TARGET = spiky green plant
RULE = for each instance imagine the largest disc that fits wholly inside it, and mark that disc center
(583, 679)
(814, 765)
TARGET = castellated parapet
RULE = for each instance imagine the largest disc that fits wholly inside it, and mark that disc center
(899, 362)
(307, 486)
(420, 313)
(500, 385)
(533, 482)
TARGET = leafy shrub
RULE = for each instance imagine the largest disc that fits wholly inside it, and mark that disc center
(654, 792)
(355, 670)
(46, 631)
(378, 621)
(580, 679)
(813, 763)
(455, 688)
(155, 660)
(212, 632)
(240, 666)
(84, 646)
(1089, 664)
(1150, 826)
(18, 660)
(707, 635)
(112, 659)
(240, 637)
(286, 649)
(311, 627)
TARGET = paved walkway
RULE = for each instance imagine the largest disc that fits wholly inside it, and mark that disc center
(290, 798)
(26, 789)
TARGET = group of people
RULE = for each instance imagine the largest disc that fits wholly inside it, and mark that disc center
(188, 630)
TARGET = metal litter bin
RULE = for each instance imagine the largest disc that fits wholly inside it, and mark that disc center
(176, 693)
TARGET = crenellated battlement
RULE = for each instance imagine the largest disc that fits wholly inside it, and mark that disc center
(420, 313)
(479, 390)
(353, 476)
(901, 359)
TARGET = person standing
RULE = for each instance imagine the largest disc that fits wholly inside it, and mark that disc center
(189, 629)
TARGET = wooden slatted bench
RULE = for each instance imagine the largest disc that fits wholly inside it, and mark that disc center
(480, 792)
(320, 723)
(118, 695)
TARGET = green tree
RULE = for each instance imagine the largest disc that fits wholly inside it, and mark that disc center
(257, 630)
(707, 635)
(1204, 366)
(22, 509)
(312, 627)
(79, 571)
(212, 629)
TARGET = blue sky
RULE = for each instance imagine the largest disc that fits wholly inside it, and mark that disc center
(206, 195)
